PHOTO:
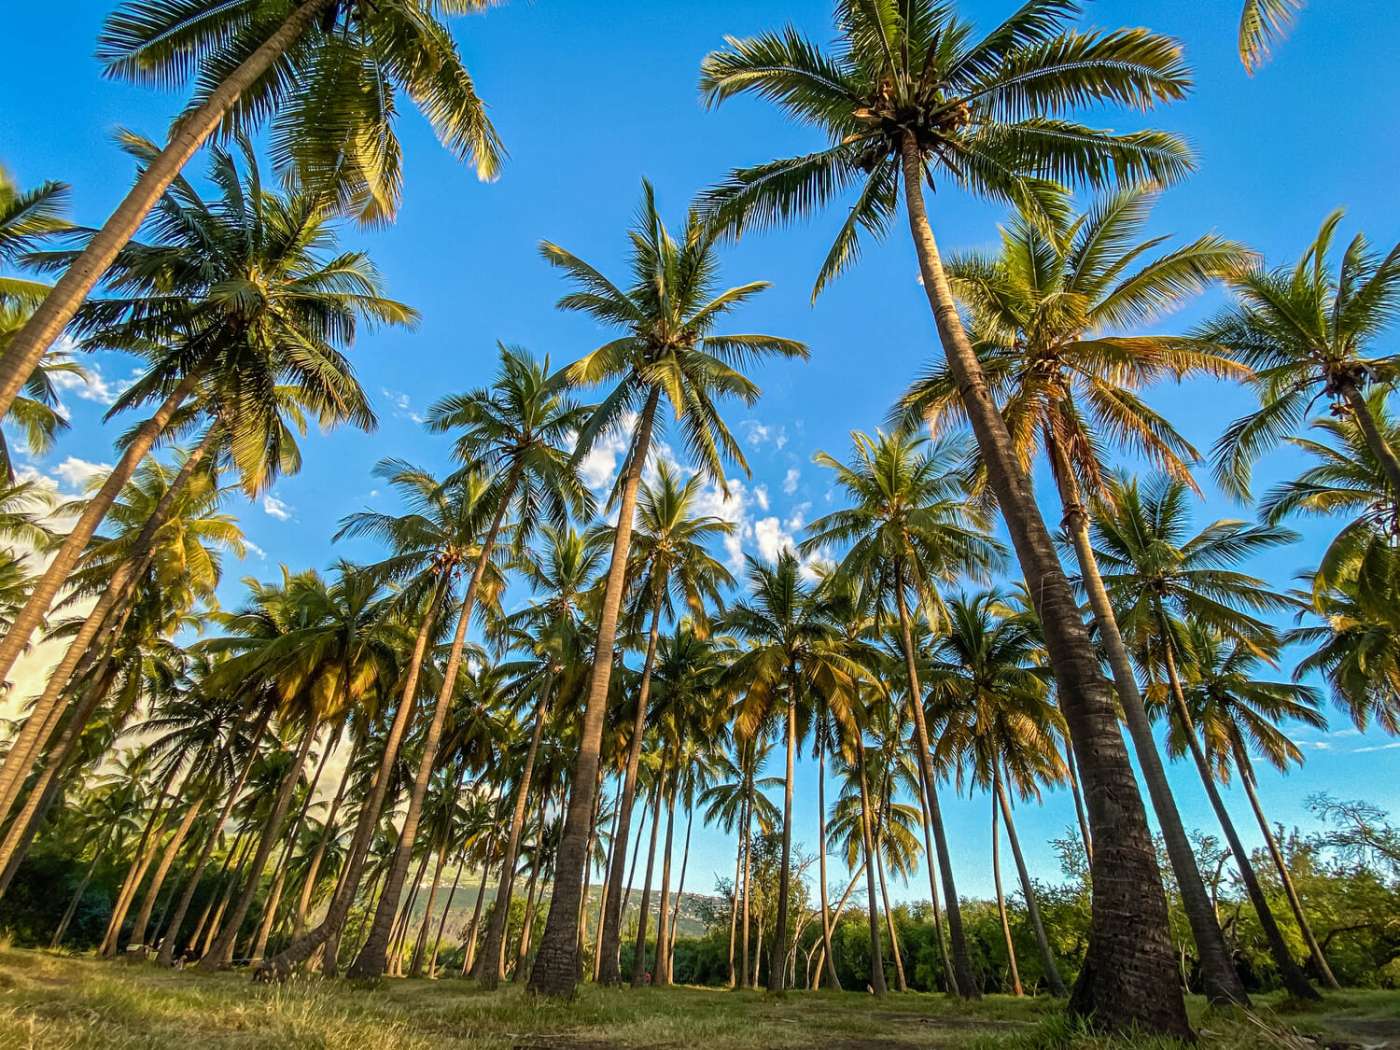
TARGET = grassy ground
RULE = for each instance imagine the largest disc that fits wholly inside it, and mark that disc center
(63, 1003)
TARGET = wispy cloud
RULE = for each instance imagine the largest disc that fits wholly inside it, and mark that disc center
(1378, 747)
(790, 480)
(277, 508)
(401, 405)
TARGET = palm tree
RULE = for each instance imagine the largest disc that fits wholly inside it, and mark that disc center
(669, 349)
(670, 561)
(515, 431)
(324, 73)
(794, 657)
(992, 713)
(1234, 707)
(1043, 312)
(1309, 334)
(913, 90)
(1160, 577)
(240, 303)
(911, 524)
(1264, 23)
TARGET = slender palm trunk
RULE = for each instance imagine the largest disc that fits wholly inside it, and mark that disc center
(776, 970)
(1015, 971)
(442, 922)
(62, 929)
(1293, 978)
(831, 977)
(758, 950)
(556, 969)
(639, 955)
(900, 981)
(189, 133)
(136, 872)
(734, 896)
(1319, 958)
(930, 858)
(816, 975)
(609, 972)
(26, 746)
(220, 954)
(877, 960)
(588, 867)
(328, 932)
(663, 911)
(420, 947)
(137, 936)
(605, 887)
(745, 977)
(469, 941)
(1375, 440)
(527, 923)
(491, 964)
(1130, 967)
(313, 868)
(1079, 813)
(1052, 971)
(166, 955)
(232, 859)
(964, 983)
(632, 871)
(680, 894)
(1218, 974)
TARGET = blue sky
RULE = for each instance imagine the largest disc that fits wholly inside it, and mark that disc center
(590, 98)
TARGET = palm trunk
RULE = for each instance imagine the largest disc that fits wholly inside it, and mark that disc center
(442, 923)
(415, 968)
(469, 941)
(734, 896)
(189, 133)
(609, 972)
(62, 929)
(758, 949)
(1218, 974)
(313, 868)
(220, 954)
(964, 983)
(747, 848)
(370, 962)
(639, 956)
(1319, 958)
(1129, 971)
(491, 965)
(527, 924)
(26, 746)
(776, 970)
(1375, 440)
(663, 916)
(402, 917)
(835, 921)
(831, 977)
(136, 872)
(1052, 971)
(900, 982)
(1016, 988)
(556, 969)
(931, 859)
(680, 895)
(302, 948)
(1293, 978)
(1079, 813)
(877, 960)
(172, 850)
(221, 881)
(604, 889)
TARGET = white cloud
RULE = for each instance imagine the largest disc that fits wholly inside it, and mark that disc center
(772, 538)
(790, 480)
(401, 404)
(760, 495)
(75, 473)
(94, 386)
(761, 434)
(1379, 747)
(600, 465)
(277, 509)
(253, 548)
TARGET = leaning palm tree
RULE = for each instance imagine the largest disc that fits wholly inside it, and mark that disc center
(237, 300)
(1309, 334)
(516, 432)
(1160, 577)
(1238, 711)
(668, 348)
(794, 663)
(1045, 310)
(1264, 23)
(911, 525)
(324, 73)
(911, 92)
(671, 562)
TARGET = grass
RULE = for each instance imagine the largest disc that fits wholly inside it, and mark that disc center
(65, 1003)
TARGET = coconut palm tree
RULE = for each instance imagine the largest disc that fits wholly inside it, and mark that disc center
(794, 656)
(993, 717)
(516, 432)
(911, 524)
(911, 92)
(238, 300)
(1044, 311)
(1160, 577)
(1238, 711)
(668, 348)
(671, 562)
(1264, 23)
(1309, 334)
(325, 74)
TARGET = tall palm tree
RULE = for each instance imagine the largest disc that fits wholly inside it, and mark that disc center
(1264, 23)
(324, 73)
(1308, 333)
(1234, 707)
(668, 348)
(911, 524)
(670, 562)
(794, 657)
(912, 91)
(514, 431)
(1160, 576)
(237, 300)
(1044, 310)
(993, 716)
